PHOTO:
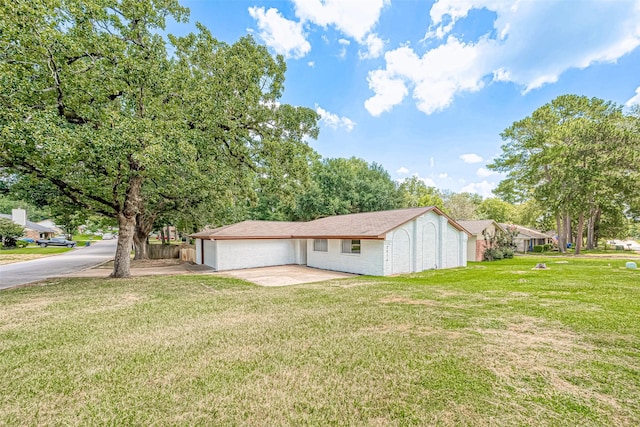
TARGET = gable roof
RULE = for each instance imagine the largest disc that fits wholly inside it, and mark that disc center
(367, 225)
(32, 225)
(524, 232)
(251, 229)
(478, 226)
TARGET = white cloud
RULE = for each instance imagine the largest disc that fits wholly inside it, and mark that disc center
(355, 18)
(389, 92)
(285, 37)
(443, 175)
(471, 158)
(311, 64)
(634, 100)
(520, 48)
(431, 161)
(427, 181)
(374, 45)
(402, 171)
(482, 188)
(334, 121)
(483, 173)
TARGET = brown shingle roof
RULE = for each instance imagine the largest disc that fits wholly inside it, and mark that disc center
(251, 229)
(525, 232)
(368, 225)
(478, 226)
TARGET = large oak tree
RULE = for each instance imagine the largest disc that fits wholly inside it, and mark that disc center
(122, 122)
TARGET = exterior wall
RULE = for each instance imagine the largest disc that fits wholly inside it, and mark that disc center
(480, 248)
(522, 245)
(434, 243)
(237, 254)
(35, 235)
(210, 252)
(369, 261)
(472, 248)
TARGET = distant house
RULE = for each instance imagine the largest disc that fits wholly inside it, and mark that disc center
(372, 243)
(527, 238)
(51, 225)
(31, 229)
(481, 231)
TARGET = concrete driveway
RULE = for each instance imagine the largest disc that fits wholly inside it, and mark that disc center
(283, 275)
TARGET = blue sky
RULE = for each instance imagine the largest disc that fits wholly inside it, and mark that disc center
(425, 88)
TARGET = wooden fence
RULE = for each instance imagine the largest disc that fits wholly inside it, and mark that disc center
(188, 253)
(173, 251)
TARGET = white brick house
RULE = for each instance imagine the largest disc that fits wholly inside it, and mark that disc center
(372, 243)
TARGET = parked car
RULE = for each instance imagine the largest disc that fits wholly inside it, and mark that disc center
(107, 236)
(27, 239)
(56, 241)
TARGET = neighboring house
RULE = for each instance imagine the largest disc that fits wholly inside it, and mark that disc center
(31, 229)
(372, 243)
(527, 238)
(51, 225)
(481, 231)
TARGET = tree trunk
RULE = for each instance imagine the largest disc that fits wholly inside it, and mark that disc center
(126, 229)
(567, 228)
(144, 226)
(140, 247)
(562, 241)
(579, 233)
(591, 228)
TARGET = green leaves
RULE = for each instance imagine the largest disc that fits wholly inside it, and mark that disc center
(94, 105)
(574, 155)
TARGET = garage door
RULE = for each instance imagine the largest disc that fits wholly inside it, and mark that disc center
(401, 252)
(429, 242)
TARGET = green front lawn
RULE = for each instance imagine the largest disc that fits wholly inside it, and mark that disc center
(31, 252)
(37, 250)
(490, 344)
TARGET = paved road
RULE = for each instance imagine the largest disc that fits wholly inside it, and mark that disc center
(78, 259)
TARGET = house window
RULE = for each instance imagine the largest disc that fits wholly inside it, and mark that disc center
(320, 245)
(351, 246)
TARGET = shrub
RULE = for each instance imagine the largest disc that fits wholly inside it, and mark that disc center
(492, 254)
(508, 253)
(21, 243)
(538, 248)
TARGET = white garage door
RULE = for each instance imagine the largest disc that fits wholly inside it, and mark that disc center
(401, 252)
(429, 245)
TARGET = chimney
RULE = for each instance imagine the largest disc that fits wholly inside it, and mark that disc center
(19, 216)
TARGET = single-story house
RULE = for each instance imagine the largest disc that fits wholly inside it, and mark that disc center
(481, 231)
(527, 238)
(51, 225)
(372, 243)
(31, 229)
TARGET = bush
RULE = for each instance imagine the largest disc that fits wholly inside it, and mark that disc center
(492, 254)
(538, 248)
(9, 243)
(548, 247)
(21, 243)
(508, 253)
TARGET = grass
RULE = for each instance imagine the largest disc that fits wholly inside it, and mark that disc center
(8, 256)
(490, 344)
